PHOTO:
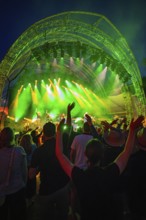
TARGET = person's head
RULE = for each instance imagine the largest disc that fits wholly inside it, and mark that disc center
(49, 129)
(7, 137)
(114, 138)
(33, 133)
(26, 143)
(94, 151)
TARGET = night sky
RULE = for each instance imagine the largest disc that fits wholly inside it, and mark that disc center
(129, 16)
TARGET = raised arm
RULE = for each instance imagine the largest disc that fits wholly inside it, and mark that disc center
(122, 159)
(110, 126)
(63, 160)
(92, 128)
(69, 109)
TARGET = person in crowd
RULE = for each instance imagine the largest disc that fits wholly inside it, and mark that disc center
(94, 184)
(36, 136)
(77, 154)
(113, 137)
(114, 141)
(135, 178)
(53, 191)
(13, 177)
(78, 158)
(29, 147)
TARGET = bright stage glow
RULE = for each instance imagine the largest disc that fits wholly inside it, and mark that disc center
(53, 98)
(64, 81)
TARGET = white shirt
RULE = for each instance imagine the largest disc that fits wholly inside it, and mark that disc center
(18, 171)
(79, 145)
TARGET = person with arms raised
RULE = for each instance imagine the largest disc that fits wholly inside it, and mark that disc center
(94, 184)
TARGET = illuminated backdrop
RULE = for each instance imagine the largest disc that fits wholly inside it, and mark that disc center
(72, 56)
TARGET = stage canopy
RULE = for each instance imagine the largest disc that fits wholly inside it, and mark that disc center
(72, 56)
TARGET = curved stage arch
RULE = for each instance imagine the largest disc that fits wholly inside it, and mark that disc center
(83, 58)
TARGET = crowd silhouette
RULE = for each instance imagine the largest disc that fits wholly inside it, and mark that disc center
(59, 173)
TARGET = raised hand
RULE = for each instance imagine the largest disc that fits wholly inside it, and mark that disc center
(70, 106)
(88, 118)
(114, 121)
(137, 124)
(106, 125)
